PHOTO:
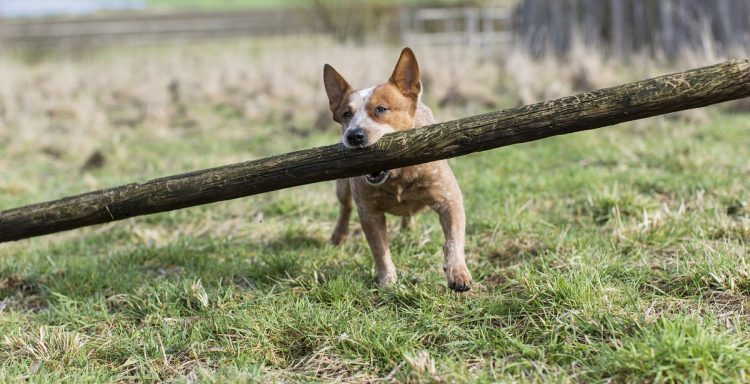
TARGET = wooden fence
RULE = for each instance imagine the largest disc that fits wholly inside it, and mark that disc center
(471, 26)
(143, 28)
(411, 26)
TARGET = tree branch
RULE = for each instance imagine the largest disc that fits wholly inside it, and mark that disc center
(661, 95)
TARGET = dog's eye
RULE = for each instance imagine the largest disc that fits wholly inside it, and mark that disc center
(347, 114)
(380, 109)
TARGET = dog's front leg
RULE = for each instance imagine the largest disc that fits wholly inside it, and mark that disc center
(453, 221)
(344, 194)
(373, 224)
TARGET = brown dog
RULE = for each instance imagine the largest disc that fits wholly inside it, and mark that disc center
(365, 116)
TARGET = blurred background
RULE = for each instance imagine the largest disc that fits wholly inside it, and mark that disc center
(613, 255)
(624, 26)
(92, 83)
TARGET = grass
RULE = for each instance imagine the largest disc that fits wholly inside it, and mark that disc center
(221, 4)
(613, 255)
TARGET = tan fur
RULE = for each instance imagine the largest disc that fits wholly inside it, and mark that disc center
(407, 190)
(402, 108)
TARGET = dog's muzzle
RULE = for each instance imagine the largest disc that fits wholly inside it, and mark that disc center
(377, 178)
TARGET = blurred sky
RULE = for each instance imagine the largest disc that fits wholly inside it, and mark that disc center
(41, 8)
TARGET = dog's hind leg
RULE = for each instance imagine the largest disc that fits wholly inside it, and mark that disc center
(344, 194)
(407, 223)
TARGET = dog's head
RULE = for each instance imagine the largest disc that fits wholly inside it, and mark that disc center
(366, 115)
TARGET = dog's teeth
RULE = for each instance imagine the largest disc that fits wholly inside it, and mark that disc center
(376, 178)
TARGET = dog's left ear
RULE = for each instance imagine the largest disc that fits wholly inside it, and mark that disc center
(406, 74)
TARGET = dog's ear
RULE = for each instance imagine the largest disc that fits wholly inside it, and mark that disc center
(336, 87)
(406, 74)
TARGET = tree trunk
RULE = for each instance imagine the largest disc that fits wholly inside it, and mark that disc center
(691, 89)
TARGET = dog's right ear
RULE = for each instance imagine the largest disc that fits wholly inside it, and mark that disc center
(406, 74)
(336, 88)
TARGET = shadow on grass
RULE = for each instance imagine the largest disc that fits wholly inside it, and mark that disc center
(24, 291)
(94, 272)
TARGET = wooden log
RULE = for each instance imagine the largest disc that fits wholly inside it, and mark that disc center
(670, 93)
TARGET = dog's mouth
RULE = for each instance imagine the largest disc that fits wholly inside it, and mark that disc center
(377, 178)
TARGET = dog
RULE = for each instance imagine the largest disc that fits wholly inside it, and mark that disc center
(365, 116)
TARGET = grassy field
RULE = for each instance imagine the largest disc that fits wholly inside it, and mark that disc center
(220, 4)
(613, 255)
(235, 4)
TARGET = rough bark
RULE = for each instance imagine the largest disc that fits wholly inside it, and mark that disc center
(670, 93)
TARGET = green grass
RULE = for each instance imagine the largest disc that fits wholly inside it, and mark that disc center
(220, 4)
(614, 255)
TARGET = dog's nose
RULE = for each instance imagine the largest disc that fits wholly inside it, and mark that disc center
(356, 136)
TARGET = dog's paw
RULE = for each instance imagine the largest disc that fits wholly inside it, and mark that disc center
(338, 237)
(386, 279)
(459, 277)
(407, 224)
